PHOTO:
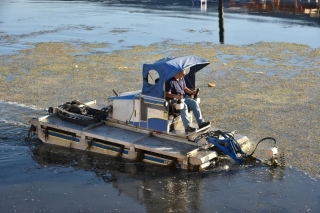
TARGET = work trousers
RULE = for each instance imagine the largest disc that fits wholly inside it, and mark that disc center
(191, 104)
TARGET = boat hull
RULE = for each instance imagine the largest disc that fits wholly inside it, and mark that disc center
(127, 141)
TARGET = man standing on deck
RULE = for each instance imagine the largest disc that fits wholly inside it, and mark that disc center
(176, 88)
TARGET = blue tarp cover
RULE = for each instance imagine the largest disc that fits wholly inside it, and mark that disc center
(167, 68)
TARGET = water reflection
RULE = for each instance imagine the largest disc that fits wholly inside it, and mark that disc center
(166, 190)
(160, 188)
(200, 3)
(221, 22)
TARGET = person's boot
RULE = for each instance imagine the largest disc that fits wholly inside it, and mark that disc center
(204, 124)
(190, 129)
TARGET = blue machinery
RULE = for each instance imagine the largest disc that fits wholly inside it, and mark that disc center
(226, 143)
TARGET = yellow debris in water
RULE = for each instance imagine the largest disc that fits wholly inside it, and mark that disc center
(122, 68)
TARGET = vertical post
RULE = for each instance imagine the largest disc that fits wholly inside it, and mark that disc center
(221, 27)
(318, 8)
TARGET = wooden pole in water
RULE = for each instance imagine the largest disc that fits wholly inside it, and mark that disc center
(221, 28)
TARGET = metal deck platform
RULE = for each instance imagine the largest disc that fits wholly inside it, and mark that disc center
(125, 140)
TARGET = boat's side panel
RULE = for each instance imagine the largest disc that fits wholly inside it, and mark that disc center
(62, 139)
(109, 149)
(54, 136)
(71, 139)
(156, 113)
(123, 140)
(135, 119)
(122, 109)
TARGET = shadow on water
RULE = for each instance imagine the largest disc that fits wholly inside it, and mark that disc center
(85, 181)
(225, 187)
(36, 176)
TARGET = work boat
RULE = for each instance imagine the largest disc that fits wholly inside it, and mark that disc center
(144, 125)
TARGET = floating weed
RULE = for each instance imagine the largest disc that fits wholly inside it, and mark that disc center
(263, 89)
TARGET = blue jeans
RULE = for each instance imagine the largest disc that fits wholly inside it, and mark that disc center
(194, 107)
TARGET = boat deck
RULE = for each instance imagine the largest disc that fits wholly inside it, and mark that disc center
(140, 140)
(129, 136)
(114, 138)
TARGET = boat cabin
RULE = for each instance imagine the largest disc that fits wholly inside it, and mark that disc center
(149, 107)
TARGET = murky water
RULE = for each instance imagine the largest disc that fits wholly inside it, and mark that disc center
(36, 177)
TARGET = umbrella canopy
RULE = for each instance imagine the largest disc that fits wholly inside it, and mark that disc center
(166, 68)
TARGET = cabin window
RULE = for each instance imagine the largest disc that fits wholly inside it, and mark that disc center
(153, 77)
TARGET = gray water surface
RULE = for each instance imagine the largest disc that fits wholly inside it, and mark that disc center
(28, 22)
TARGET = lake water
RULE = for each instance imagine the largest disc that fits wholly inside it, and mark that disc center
(40, 178)
(123, 25)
